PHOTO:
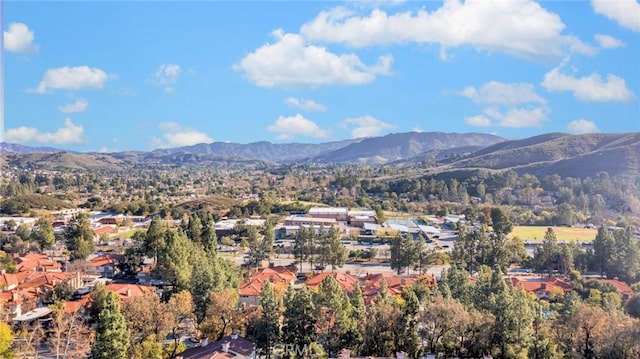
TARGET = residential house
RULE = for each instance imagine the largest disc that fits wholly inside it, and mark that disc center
(346, 281)
(126, 291)
(281, 277)
(103, 230)
(622, 288)
(105, 265)
(543, 288)
(231, 347)
(37, 262)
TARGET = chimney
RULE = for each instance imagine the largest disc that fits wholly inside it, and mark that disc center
(204, 342)
(225, 347)
(128, 292)
(543, 285)
(234, 336)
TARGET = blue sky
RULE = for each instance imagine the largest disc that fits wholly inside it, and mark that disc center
(115, 76)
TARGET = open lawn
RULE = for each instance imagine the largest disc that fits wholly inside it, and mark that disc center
(532, 233)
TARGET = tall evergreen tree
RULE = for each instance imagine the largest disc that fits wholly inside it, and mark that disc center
(112, 335)
(79, 237)
(299, 327)
(268, 331)
(44, 235)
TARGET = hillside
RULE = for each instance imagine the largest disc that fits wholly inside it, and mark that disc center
(399, 146)
(62, 161)
(563, 154)
(264, 150)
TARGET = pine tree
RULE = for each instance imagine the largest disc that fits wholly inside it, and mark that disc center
(268, 327)
(44, 235)
(79, 237)
(299, 327)
(112, 335)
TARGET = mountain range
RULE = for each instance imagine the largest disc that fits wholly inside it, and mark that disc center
(564, 154)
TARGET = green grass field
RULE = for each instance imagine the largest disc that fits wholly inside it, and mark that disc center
(532, 233)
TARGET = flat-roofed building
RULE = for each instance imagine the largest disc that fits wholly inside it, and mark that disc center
(337, 213)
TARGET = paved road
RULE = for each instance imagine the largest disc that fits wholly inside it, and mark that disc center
(357, 268)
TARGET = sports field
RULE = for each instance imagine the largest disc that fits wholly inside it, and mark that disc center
(533, 233)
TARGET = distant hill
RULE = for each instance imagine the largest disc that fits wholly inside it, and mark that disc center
(399, 146)
(62, 161)
(265, 151)
(18, 148)
(564, 154)
(434, 152)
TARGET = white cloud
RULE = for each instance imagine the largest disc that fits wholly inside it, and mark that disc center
(19, 39)
(72, 78)
(166, 75)
(478, 121)
(290, 127)
(519, 27)
(69, 134)
(582, 126)
(78, 106)
(499, 93)
(289, 61)
(174, 135)
(625, 12)
(608, 42)
(519, 117)
(307, 105)
(590, 88)
(366, 126)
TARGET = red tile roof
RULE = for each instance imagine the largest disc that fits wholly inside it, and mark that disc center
(277, 275)
(106, 259)
(125, 290)
(346, 281)
(620, 286)
(536, 285)
(8, 280)
(36, 261)
(102, 230)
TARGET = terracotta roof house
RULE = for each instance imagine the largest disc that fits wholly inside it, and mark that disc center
(105, 265)
(373, 283)
(543, 288)
(97, 232)
(280, 276)
(125, 290)
(37, 262)
(8, 280)
(232, 347)
(346, 281)
(622, 288)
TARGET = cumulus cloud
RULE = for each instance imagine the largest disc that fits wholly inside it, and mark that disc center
(499, 93)
(69, 134)
(18, 38)
(590, 88)
(608, 42)
(519, 117)
(78, 106)
(478, 121)
(165, 76)
(366, 126)
(72, 78)
(625, 12)
(290, 61)
(174, 135)
(519, 27)
(298, 125)
(307, 105)
(582, 126)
